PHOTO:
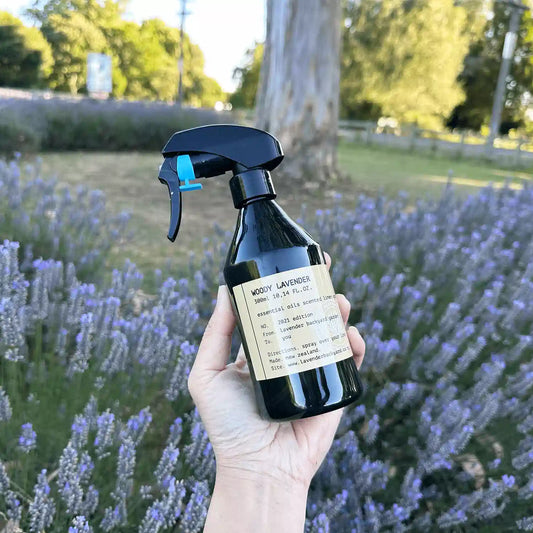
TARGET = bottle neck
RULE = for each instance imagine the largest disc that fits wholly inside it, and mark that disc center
(251, 185)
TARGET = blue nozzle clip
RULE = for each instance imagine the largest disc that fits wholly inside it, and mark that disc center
(185, 173)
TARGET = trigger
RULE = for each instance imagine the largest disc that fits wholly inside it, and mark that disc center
(170, 179)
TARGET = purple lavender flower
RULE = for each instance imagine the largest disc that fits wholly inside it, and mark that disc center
(28, 438)
(68, 480)
(373, 429)
(167, 464)
(175, 431)
(508, 481)
(42, 507)
(137, 425)
(80, 360)
(164, 511)
(80, 432)
(5, 406)
(105, 433)
(117, 357)
(80, 525)
(4, 479)
(192, 518)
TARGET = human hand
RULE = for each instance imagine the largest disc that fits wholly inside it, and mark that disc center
(245, 444)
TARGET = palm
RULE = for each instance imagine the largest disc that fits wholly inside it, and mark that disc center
(240, 437)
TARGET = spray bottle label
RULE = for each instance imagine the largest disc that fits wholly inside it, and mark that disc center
(291, 322)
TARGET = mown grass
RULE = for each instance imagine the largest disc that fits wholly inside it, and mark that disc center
(391, 171)
(130, 183)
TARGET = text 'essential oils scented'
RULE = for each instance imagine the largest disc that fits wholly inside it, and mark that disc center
(293, 335)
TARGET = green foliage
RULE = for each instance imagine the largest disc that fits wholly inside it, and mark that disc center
(72, 36)
(248, 78)
(402, 59)
(480, 73)
(399, 59)
(144, 57)
(25, 56)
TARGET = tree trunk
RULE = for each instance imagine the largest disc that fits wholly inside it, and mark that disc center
(298, 95)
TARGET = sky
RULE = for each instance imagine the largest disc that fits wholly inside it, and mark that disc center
(224, 29)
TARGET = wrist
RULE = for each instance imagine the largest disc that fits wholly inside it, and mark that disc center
(244, 501)
(258, 476)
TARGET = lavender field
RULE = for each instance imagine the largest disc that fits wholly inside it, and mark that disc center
(86, 124)
(98, 432)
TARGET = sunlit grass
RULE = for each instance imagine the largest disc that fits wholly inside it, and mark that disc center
(419, 174)
(130, 183)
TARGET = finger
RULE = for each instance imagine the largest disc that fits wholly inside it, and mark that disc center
(328, 260)
(344, 306)
(357, 344)
(215, 347)
(240, 360)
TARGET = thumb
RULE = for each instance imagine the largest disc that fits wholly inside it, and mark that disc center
(215, 347)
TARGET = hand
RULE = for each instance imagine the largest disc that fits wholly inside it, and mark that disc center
(247, 447)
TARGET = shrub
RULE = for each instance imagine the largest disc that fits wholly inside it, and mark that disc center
(94, 380)
(442, 292)
(19, 127)
(85, 124)
(52, 222)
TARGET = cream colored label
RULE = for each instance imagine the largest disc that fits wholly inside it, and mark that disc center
(291, 322)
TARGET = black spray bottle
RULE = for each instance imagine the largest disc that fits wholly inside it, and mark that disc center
(298, 353)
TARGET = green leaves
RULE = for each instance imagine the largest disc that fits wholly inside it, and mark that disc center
(144, 57)
(25, 56)
(402, 59)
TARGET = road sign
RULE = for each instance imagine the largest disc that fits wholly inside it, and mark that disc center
(99, 74)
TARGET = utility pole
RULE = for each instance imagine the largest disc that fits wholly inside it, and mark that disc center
(183, 14)
(517, 9)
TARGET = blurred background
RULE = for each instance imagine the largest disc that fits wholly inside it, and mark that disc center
(408, 132)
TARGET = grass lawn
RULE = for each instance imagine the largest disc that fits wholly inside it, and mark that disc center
(391, 171)
(130, 183)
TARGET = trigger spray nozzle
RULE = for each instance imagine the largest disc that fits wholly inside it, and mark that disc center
(211, 151)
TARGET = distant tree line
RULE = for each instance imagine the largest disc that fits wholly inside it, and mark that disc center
(144, 56)
(428, 62)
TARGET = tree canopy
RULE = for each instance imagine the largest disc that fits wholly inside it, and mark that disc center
(25, 56)
(426, 61)
(480, 72)
(402, 59)
(144, 56)
(247, 77)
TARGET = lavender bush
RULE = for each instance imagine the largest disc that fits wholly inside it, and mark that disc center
(98, 433)
(442, 292)
(53, 222)
(86, 124)
(93, 382)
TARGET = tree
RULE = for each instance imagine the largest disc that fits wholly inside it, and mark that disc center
(144, 57)
(402, 58)
(72, 36)
(25, 56)
(248, 78)
(298, 97)
(480, 72)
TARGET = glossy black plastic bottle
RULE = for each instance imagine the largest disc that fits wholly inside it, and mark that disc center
(267, 241)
